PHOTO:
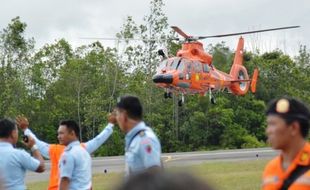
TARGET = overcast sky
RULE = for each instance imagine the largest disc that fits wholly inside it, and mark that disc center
(72, 19)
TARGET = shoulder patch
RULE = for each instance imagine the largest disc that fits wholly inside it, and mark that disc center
(148, 149)
(304, 156)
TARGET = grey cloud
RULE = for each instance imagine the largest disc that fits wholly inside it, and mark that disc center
(71, 19)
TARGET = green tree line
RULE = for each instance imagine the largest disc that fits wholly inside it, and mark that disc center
(58, 82)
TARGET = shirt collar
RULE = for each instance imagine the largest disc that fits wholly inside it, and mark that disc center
(141, 125)
(73, 143)
(6, 144)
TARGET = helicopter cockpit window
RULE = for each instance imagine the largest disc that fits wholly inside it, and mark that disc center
(162, 65)
(174, 64)
(206, 68)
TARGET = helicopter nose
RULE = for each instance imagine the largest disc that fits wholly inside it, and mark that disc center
(163, 79)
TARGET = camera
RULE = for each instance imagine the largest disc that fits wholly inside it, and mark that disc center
(25, 138)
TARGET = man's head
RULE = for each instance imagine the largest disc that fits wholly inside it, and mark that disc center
(128, 112)
(68, 132)
(8, 131)
(287, 121)
(163, 181)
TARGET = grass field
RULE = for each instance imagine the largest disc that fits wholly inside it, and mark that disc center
(223, 175)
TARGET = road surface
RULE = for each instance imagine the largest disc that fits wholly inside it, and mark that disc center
(116, 163)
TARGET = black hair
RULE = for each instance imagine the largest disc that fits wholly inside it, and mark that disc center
(72, 126)
(6, 127)
(296, 111)
(163, 181)
(132, 106)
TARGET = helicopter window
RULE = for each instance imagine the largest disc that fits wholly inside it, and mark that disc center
(198, 67)
(206, 68)
(181, 65)
(189, 67)
(162, 65)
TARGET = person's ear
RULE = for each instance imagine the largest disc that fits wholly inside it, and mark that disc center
(125, 115)
(295, 128)
(71, 132)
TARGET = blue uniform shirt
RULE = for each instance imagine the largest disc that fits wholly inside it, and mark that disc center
(142, 149)
(75, 164)
(14, 163)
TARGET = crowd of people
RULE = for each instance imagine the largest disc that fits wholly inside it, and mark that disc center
(287, 131)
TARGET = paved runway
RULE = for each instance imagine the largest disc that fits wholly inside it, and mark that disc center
(116, 163)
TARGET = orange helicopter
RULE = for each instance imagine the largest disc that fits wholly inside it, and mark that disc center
(191, 71)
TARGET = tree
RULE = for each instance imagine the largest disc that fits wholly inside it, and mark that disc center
(15, 51)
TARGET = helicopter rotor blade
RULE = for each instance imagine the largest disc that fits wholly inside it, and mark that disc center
(179, 31)
(131, 39)
(248, 32)
(122, 39)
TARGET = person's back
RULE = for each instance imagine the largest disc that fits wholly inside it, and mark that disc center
(144, 150)
(14, 162)
(12, 166)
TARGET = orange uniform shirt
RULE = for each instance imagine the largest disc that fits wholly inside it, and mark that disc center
(55, 152)
(274, 175)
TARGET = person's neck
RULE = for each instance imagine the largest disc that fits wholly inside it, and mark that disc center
(73, 140)
(291, 151)
(6, 140)
(132, 124)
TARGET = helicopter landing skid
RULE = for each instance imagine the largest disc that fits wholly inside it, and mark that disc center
(181, 100)
(167, 94)
(212, 97)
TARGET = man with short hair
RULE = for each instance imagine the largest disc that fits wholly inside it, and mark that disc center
(75, 162)
(143, 149)
(164, 181)
(54, 151)
(287, 131)
(14, 162)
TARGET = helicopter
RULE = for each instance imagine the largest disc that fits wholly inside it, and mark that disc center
(191, 71)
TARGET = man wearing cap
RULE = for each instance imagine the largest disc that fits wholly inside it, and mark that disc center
(287, 131)
(142, 147)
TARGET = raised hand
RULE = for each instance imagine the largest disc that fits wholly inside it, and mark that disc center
(112, 117)
(22, 122)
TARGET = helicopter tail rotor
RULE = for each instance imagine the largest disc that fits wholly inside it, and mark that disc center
(254, 80)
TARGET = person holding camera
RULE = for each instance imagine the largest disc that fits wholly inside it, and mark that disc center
(15, 162)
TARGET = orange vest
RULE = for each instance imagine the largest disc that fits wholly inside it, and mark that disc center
(274, 176)
(55, 152)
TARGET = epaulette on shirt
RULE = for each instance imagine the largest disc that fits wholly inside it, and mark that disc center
(142, 133)
(68, 148)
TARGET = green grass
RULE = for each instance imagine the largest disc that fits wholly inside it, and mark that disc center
(236, 175)
(224, 175)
